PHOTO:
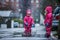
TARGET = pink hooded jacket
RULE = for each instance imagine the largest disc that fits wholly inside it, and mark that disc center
(28, 19)
(48, 18)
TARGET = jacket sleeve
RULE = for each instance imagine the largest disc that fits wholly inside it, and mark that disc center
(24, 20)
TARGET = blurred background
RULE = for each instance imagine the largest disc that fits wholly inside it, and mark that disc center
(12, 13)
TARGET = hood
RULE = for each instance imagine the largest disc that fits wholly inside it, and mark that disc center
(28, 12)
(49, 9)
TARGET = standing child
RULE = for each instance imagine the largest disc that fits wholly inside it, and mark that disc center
(48, 20)
(28, 23)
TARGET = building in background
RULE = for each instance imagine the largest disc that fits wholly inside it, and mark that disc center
(10, 5)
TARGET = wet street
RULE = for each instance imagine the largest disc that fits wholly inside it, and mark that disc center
(16, 34)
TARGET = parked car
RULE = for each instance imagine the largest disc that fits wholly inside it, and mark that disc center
(55, 24)
(16, 24)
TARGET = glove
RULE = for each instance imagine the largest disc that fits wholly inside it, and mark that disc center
(26, 24)
(33, 25)
(46, 24)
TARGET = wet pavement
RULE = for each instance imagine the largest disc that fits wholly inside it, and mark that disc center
(38, 34)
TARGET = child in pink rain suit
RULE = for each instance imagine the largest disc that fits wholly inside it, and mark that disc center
(28, 22)
(48, 20)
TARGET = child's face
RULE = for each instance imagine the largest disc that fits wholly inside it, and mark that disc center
(28, 14)
(45, 12)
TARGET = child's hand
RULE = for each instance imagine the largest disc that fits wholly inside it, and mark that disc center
(46, 24)
(26, 24)
(33, 25)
